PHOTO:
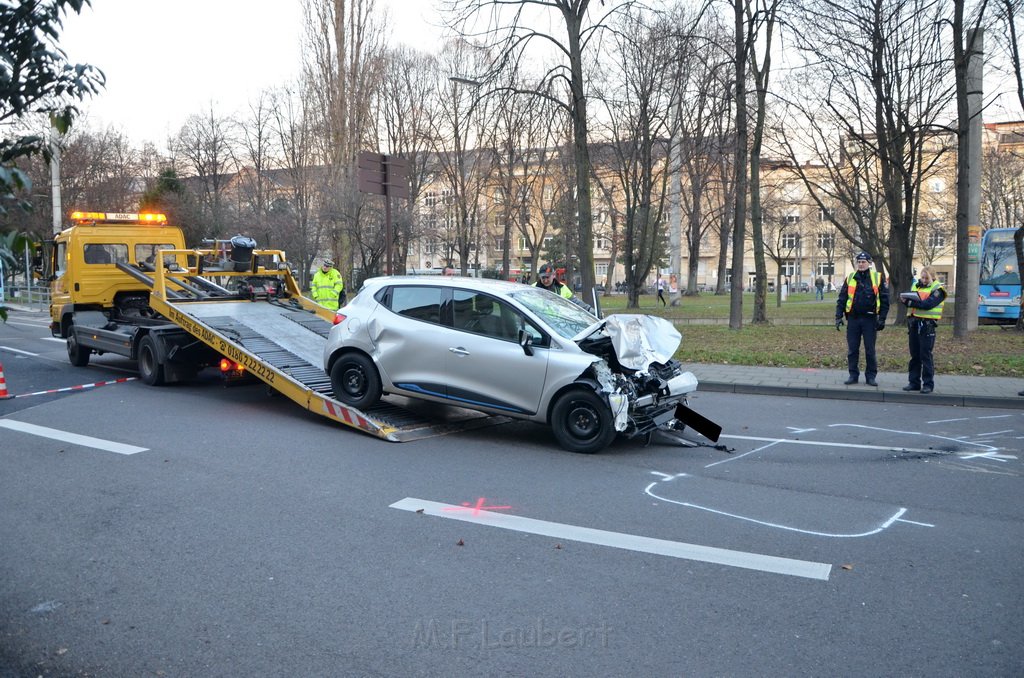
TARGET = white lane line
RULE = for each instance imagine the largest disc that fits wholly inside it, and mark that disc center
(620, 540)
(997, 416)
(820, 443)
(994, 433)
(14, 350)
(57, 339)
(945, 421)
(73, 438)
(33, 325)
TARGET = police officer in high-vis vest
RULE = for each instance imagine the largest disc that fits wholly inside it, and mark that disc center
(922, 318)
(864, 303)
(327, 287)
(546, 278)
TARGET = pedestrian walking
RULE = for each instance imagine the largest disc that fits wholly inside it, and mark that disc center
(661, 291)
(819, 289)
(328, 287)
(925, 310)
(864, 303)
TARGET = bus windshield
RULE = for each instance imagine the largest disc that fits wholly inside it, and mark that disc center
(999, 259)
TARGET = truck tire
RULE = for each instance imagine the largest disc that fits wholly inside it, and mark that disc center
(356, 381)
(77, 354)
(151, 370)
(582, 422)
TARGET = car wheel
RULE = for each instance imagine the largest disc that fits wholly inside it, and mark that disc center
(151, 371)
(356, 381)
(582, 422)
(77, 354)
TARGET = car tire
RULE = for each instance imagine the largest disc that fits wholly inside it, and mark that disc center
(77, 354)
(151, 370)
(582, 421)
(356, 381)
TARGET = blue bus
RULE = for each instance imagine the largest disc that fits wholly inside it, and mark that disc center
(999, 288)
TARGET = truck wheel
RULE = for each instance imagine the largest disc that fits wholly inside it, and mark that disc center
(356, 381)
(77, 354)
(582, 422)
(151, 371)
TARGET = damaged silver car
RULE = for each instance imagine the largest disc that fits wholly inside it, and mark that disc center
(512, 349)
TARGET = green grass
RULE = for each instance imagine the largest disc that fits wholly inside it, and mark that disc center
(802, 334)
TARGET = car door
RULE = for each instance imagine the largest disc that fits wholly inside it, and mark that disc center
(410, 341)
(485, 364)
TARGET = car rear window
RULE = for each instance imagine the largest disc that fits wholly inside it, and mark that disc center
(420, 303)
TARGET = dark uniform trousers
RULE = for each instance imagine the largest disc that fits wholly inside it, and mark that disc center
(858, 327)
(922, 343)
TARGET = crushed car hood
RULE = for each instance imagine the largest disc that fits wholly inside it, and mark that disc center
(638, 340)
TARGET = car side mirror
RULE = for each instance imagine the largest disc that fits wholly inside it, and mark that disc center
(526, 341)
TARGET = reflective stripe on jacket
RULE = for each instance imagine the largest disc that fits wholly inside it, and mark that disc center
(935, 312)
(326, 287)
(851, 289)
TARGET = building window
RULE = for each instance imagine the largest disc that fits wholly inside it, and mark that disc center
(826, 268)
(791, 219)
(826, 241)
(430, 199)
(430, 247)
(499, 244)
(938, 185)
(600, 243)
(499, 220)
(522, 243)
(936, 239)
(600, 270)
(824, 214)
(788, 267)
(790, 239)
(547, 241)
(446, 197)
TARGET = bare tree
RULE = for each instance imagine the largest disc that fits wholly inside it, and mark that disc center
(203, 150)
(510, 29)
(761, 19)
(462, 137)
(406, 116)
(302, 180)
(882, 71)
(343, 66)
(255, 161)
(638, 96)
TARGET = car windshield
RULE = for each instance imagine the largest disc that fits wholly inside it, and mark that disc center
(560, 314)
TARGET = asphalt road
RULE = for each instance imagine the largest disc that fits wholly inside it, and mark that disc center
(208, 531)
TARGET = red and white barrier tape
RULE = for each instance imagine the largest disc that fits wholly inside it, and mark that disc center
(80, 387)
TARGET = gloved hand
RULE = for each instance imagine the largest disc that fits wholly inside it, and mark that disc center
(342, 299)
(839, 323)
(880, 325)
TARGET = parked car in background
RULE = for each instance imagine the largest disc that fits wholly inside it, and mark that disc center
(511, 349)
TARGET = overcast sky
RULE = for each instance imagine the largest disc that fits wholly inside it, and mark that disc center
(167, 59)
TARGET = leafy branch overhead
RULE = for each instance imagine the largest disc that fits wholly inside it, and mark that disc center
(36, 77)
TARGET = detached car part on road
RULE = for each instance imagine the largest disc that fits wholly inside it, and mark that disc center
(517, 350)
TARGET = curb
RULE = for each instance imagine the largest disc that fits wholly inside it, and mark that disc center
(865, 396)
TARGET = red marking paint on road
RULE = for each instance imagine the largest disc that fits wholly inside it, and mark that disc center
(475, 508)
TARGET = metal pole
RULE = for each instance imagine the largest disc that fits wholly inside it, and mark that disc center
(55, 178)
(975, 39)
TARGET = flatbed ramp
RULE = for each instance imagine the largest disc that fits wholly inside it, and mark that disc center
(290, 364)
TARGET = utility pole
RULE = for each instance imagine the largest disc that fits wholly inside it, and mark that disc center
(55, 178)
(974, 104)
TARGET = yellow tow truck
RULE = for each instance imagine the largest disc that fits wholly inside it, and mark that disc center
(126, 284)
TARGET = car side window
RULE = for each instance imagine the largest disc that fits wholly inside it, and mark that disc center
(486, 315)
(420, 303)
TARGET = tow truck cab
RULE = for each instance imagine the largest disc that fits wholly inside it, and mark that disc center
(84, 258)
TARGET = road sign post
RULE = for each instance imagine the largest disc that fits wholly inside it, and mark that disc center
(388, 176)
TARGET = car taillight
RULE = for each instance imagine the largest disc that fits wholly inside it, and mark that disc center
(339, 318)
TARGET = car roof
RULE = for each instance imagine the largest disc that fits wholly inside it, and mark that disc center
(463, 282)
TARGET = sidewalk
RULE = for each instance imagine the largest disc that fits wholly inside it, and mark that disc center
(960, 391)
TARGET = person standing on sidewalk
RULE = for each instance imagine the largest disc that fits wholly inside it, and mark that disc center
(922, 318)
(864, 303)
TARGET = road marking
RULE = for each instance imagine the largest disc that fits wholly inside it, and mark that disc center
(620, 540)
(820, 443)
(756, 449)
(73, 438)
(946, 421)
(14, 350)
(995, 433)
(649, 490)
(997, 416)
(57, 339)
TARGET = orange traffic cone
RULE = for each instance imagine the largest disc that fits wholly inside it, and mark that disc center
(4, 395)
